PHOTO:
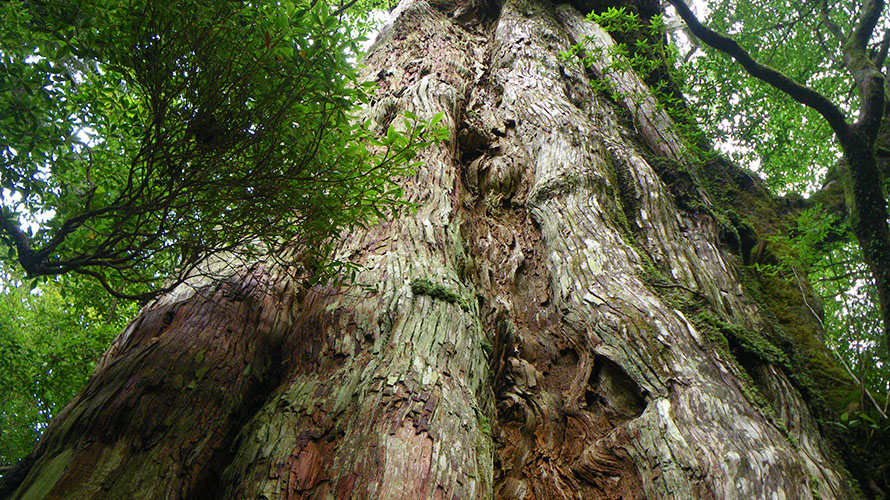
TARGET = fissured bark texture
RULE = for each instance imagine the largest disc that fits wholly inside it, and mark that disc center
(505, 340)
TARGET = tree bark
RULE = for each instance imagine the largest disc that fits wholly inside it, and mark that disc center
(526, 333)
(868, 216)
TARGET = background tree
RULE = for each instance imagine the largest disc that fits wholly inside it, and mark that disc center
(855, 47)
(571, 311)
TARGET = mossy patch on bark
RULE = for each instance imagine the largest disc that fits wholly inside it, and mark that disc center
(425, 286)
(791, 327)
(748, 341)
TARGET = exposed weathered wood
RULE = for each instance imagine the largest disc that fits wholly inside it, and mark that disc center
(505, 340)
(697, 434)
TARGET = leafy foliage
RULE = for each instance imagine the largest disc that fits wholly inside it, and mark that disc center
(139, 137)
(48, 347)
(640, 47)
(869, 433)
(792, 144)
(752, 122)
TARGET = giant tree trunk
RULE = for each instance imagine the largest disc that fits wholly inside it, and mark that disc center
(551, 322)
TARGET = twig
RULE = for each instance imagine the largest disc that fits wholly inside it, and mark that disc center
(804, 297)
(858, 382)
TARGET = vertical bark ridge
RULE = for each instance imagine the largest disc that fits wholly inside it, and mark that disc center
(688, 391)
(385, 392)
(555, 393)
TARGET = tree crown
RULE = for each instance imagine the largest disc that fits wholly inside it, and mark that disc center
(141, 137)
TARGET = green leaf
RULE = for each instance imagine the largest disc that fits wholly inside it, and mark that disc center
(280, 64)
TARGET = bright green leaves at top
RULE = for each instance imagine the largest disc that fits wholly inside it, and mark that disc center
(753, 123)
(791, 143)
(640, 47)
(139, 137)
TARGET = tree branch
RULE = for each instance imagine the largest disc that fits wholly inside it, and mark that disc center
(22, 243)
(120, 295)
(866, 74)
(868, 19)
(800, 93)
(837, 62)
(831, 25)
(342, 8)
(881, 55)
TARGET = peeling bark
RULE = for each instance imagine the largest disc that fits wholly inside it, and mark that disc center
(503, 341)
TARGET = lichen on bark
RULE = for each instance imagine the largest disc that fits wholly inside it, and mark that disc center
(535, 329)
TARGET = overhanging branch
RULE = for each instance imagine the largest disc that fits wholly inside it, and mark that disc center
(773, 77)
(21, 241)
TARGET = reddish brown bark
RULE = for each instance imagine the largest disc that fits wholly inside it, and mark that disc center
(502, 341)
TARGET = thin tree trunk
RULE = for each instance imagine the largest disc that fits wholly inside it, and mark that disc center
(868, 216)
(510, 339)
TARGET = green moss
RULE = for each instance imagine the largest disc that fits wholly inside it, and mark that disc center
(484, 424)
(49, 475)
(748, 341)
(200, 372)
(814, 487)
(484, 449)
(674, 295)
(748, 215)
(812, 368)
(704, 323)
(683, 182)
(557, 187)
(487, 347)
(620, 179)
(729, 340)
(791, 340)
(723, 336)
(716, 331)
(791, 326)
(424, 286)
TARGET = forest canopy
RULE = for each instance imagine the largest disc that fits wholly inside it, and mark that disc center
(138, 138)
